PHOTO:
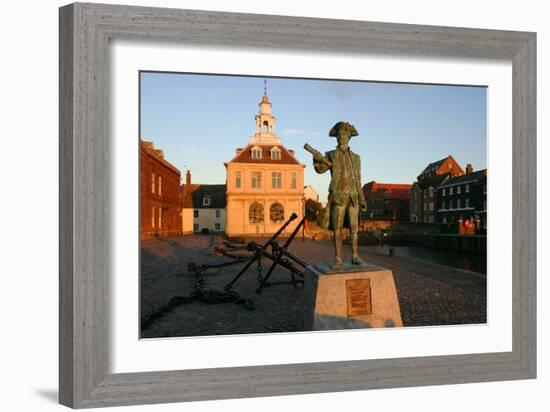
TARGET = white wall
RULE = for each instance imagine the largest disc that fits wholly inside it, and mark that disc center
(28, 96)
(187, 220)
(207, 219)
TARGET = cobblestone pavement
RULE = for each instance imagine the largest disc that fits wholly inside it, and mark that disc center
(429, 294)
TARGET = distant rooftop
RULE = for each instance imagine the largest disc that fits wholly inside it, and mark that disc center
(393, 190)
(216, 194)
(467, 178)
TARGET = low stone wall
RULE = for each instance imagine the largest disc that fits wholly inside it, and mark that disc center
(314, 232)
(372, 232)
(405, 227)
(365, 226)
(418, 228)
(375, 225)
(431, 235)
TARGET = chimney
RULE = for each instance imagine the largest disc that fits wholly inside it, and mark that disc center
(188, 178)
(469, 168)
(238, 150)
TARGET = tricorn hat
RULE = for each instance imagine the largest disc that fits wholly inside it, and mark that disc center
(334, 131)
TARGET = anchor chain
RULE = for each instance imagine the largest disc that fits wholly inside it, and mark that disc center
(200, 293)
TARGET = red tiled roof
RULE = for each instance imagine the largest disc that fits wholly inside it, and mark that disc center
(435, 165)
(437, 168)
(245, 156)
(393, 190)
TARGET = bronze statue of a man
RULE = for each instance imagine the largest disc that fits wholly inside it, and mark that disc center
(345, 197)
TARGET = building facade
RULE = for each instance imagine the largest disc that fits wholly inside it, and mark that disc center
(387, 201)
(209, 208)
(462, 198)
(160, 201)
(265, 182)
(423, 194)
(187, 210)
(310, 193)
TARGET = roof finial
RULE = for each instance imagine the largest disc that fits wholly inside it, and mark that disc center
(265, 87)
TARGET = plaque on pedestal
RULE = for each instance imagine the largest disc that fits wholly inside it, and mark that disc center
(350, 297)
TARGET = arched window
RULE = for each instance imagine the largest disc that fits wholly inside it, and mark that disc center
(256, 213)
(277, 212)
(265, 126)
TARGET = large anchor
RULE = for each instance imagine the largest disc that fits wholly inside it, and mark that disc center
(279, 255)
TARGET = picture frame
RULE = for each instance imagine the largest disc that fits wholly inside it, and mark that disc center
(84, 356)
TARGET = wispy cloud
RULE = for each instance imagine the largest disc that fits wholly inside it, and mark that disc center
(293, 132)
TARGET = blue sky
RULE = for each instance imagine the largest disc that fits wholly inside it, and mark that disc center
(199, 120)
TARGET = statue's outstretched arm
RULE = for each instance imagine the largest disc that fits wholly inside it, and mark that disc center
(320, 166)
(320, 163)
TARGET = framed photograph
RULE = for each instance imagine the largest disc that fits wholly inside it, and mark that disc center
(237, 186)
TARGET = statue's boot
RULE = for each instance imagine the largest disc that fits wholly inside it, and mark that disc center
(356, 260)
(337, 262)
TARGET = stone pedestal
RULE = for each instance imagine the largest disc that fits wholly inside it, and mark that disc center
(351, 297)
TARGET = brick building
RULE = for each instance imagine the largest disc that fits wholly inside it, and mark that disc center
(464, 198)
(387, 201)
(423, 194)
(160, 198)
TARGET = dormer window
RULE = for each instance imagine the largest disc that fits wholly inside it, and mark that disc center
(206, 200)
(256, 153)
(275, 153)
